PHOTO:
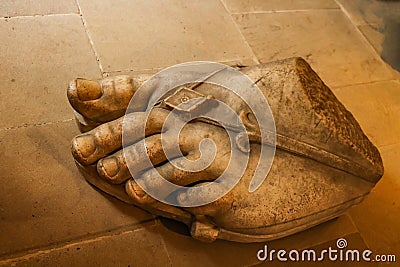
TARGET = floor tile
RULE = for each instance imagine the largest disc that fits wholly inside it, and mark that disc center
(140, 247)
(44, 199)
(237, 6)
(141, 34)
(378, 217)
(36, 7)
(325, 38)
(186, 251)
(389, 252)
(376, 106)
(39, 56)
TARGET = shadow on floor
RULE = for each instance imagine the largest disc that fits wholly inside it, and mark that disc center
(383, 17)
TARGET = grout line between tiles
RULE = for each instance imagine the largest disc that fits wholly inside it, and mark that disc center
(346, 13)
(240, 32)
(283, 11)
(394, 72)
(31, 253)
(365, 36)
(228, 62)
(339, 87)
(90, 38)
(358, 230)
(37, 16)
(132, 70)
(34, 125)
(388, 145)
(157, 223)
(365, 40)
(352, 221)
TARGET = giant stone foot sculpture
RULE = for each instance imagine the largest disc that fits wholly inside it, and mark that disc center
(323, 162)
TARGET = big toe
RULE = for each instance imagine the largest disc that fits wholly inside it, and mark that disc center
(87, 89)
(101, 101)
(81, 92)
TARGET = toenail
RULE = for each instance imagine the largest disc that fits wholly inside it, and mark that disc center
(139, 192)
(109, 166)
(182, 197)
(88, 90)
(83, 146)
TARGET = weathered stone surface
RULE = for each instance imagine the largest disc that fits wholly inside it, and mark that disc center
(323, 164)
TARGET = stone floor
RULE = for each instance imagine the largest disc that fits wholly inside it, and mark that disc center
(49, 216)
